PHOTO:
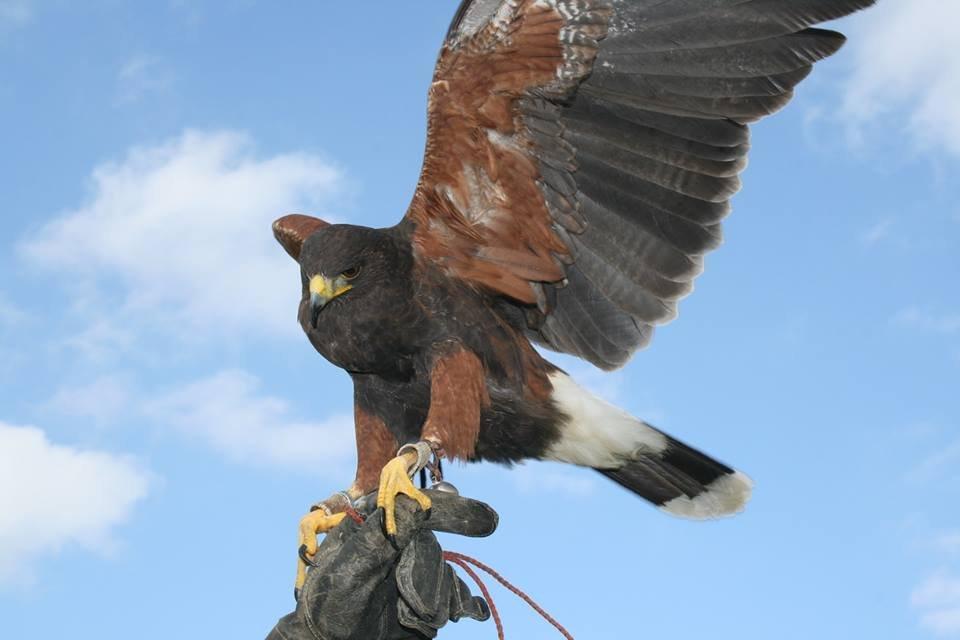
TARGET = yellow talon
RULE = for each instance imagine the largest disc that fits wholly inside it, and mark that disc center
(313, 524)
(394, 481)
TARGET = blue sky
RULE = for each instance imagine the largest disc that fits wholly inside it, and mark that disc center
(164, 424)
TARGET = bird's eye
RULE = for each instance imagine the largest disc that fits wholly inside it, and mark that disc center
(351, 273)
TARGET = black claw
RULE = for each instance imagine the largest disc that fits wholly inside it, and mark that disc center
(296, 594)
(302, 551)
(427, 513)
(393, 541)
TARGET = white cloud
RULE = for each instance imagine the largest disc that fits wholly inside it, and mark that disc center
(227, 412)
(916, 318)
(905, 61)
(142, 76)
(176, 238)
(104, 335)
(103, 399)
(53, 496)
(938, 600)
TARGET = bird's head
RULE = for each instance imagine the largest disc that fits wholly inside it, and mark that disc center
(344, 263)
(342, 266)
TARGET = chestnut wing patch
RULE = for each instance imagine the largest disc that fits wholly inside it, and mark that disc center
(479, 209)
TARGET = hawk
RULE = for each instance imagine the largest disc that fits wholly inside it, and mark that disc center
(580, 157)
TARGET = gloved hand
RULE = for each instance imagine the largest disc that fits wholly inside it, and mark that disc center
(363, 587)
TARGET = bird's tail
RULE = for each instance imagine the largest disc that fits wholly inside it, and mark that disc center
(675, 477)
(684, 482)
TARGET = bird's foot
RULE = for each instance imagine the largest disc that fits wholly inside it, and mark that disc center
(322, 518)
(395, 479)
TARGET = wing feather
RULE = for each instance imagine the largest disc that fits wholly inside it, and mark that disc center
(581, 154)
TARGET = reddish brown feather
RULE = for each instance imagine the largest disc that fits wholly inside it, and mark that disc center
(478, 210)
(376, 446)
(291, 231)
(458, 392)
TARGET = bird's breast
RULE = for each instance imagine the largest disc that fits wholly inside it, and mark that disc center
(364, 343)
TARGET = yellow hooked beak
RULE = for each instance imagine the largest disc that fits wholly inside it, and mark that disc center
(322, 291)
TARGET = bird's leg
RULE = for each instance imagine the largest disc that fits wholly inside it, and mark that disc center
(376, 445)
(323, 517)
(395, 479)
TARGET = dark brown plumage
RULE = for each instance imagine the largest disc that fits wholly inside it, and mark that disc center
(581, 155)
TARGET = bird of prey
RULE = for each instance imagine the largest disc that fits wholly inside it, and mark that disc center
(580, 157)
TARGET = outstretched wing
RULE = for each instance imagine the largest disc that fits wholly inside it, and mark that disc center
(582, 153)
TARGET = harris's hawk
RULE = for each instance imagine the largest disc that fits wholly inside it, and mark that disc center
(580, 157)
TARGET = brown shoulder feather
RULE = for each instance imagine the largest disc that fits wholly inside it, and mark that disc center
(292, 230)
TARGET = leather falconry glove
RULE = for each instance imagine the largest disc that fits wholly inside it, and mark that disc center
(361, 586)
